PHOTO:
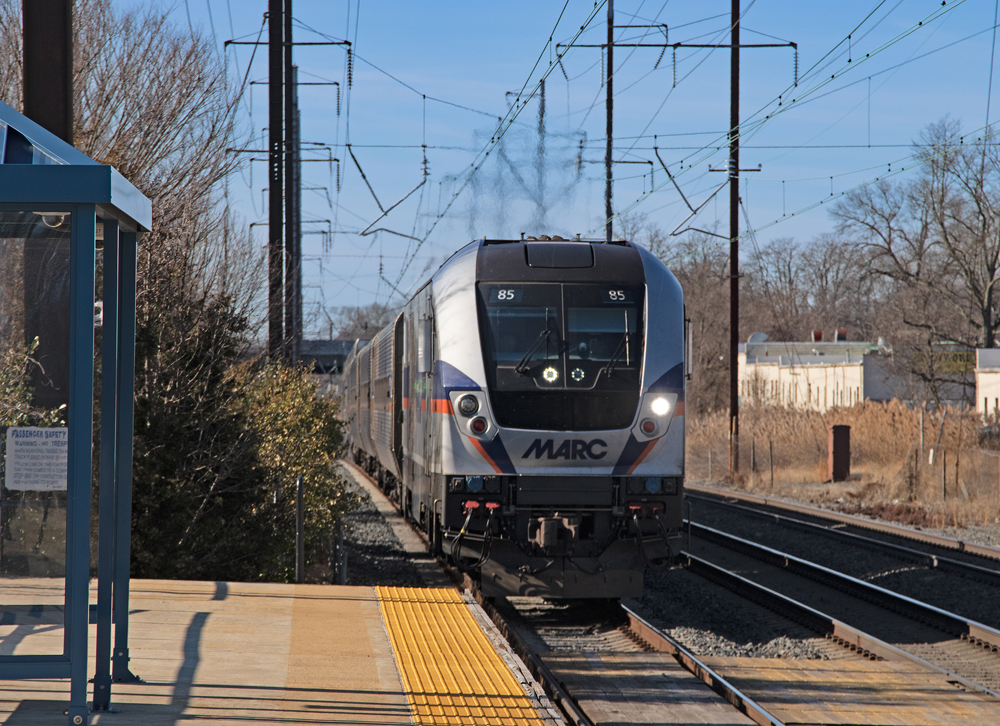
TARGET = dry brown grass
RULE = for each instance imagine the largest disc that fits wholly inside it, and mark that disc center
(889, 476)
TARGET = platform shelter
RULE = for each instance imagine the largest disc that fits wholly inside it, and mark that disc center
(69, 228)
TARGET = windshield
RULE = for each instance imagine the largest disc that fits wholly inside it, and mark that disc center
(562, 356)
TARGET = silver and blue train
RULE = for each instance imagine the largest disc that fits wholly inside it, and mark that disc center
(526, 411)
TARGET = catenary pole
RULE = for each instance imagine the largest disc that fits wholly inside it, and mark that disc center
(275, 178)
(734, 234)
(289, 291)
(610, 106)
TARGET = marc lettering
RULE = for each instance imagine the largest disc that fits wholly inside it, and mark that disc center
(571, 449)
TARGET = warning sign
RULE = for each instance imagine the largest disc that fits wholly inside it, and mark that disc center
(36, 458)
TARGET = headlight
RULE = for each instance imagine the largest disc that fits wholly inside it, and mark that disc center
(660, 406)
(468, 405)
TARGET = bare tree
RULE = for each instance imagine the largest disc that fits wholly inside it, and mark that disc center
(937, 236)
(354, 323)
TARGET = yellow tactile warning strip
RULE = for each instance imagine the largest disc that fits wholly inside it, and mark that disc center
(450, 671)
(855, 692)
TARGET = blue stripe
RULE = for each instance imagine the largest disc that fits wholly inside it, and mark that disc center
(628, 456)
(498, 452)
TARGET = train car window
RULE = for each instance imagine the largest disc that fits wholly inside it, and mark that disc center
(562, 356)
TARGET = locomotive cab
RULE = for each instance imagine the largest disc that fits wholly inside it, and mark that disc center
(562, 327)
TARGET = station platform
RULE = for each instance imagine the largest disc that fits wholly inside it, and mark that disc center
(241, 653)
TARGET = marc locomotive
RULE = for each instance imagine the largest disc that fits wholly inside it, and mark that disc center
(526, 410)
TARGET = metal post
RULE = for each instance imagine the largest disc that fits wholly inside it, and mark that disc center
(770, 460)
(108, 465)
(275, 128)
(734, 233)
(80, 418)
(610, 107)
(300, 548)
(342, 555)
(944, 466)
(128, 249)
(296, 219)
(921, 433)
(289, 289)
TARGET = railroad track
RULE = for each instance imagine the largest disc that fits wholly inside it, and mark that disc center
(964, 650)
(582, 653)
(931, 543)
(941, 572)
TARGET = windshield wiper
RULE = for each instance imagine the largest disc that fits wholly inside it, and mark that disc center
(522, 367)
(616, 357)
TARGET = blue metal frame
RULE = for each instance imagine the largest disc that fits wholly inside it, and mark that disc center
(80, 419)
(69, 181)
(109, 467)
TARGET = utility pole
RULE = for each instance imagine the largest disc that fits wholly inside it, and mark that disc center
(734, 241)
(276, 182)
(288, 345)
(294, 303)
(47, 83)
(608, 178)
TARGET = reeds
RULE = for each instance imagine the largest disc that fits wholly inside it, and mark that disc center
(783, 452)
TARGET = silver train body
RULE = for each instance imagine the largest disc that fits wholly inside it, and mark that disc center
(526, 410)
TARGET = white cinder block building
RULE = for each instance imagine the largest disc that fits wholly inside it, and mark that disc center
(813, 375)
(988, 383)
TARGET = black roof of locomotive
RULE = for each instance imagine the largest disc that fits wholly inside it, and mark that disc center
(548, 260)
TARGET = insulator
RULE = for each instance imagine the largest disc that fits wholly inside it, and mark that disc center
(338, 177)
(350, 68)
(796, 67)
(675, 67)
(338, 100)
(657, 64)
(559, 61)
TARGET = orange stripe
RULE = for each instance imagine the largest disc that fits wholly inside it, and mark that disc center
(443, 405)
(643, 455)
(486, 456)
(406, 403)
(679, 409)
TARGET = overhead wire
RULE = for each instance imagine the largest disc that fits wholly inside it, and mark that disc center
(752, 125)
(505, 123)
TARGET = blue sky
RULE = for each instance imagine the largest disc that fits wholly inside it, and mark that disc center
(858, 105)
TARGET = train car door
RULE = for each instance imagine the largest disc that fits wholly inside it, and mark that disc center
(397, 392)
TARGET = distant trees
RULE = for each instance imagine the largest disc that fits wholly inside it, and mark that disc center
(786, 291)
(915, 261)
(212, 452)
(936, 236)
(352, 323)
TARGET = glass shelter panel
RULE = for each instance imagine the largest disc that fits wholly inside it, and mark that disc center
(34, 390)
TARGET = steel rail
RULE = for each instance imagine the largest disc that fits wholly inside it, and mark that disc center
(885, 527)
(944, 564)
(938, 617)
(819, 621)
(660, 642)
